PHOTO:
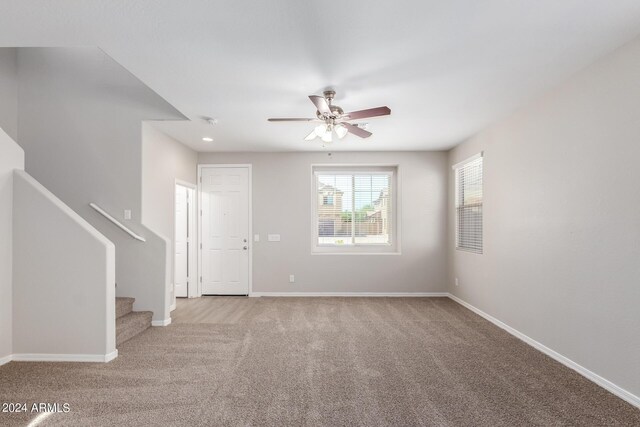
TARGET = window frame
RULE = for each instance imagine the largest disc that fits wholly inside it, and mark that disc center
(391, 248)
(457, 197)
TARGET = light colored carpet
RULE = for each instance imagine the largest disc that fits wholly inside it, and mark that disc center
(318, 362)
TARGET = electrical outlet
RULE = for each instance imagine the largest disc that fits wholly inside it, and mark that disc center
(292, 278)
(457, 284)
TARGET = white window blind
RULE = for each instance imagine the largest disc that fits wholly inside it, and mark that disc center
(353, 208)
(469, 204)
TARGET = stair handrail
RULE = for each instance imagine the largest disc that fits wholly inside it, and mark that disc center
(117, 223)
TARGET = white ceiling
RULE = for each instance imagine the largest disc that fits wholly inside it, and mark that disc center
(446, 68)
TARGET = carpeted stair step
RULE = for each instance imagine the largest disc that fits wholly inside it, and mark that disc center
(131, 324)
(124, 306)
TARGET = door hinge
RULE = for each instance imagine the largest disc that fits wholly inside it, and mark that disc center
(200, 279)
(200, 245)
(200, 180)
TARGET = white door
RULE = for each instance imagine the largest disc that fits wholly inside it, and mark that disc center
(181, 264)
(225, 230)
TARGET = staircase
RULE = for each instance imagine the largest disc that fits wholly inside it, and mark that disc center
(129, 323)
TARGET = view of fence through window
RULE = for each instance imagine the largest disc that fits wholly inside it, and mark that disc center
(354, 209)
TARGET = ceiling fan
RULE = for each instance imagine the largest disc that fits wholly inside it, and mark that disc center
(334, 119)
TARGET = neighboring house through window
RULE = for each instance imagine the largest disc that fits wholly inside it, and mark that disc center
(354, 209)
(327, 200)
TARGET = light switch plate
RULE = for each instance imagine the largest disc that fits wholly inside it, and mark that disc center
(256, 237)
(274, 237)
(127, 214)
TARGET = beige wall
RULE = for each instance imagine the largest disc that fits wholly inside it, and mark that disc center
(562, 220)
(63, 280)
(164, 160)
(9, 91)
(81, 116)
(282, 205)
(11, 157)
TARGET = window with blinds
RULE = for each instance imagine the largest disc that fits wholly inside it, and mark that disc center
(353, 208)
(469, 204)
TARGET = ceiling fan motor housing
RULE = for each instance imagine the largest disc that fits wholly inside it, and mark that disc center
(336, 112)
(329, 95)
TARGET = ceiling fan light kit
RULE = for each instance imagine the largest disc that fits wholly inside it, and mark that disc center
(320, 130)
(335, 119)
(327, 137)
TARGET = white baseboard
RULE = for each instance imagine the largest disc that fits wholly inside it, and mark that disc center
(110, 356)
(602, 382)
(6, 359)
(172, 307)
(42, 357)
(164, 322)
(349, 294)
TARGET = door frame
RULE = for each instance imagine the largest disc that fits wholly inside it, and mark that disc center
(192, 288)
(250, 241)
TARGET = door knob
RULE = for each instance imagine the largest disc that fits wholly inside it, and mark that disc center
(244, 247)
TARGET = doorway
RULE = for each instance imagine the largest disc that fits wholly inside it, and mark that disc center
(185, 254)
(225, 228)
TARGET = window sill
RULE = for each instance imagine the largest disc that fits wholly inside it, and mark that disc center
(374, 249)
(354, 253)
(471, 251)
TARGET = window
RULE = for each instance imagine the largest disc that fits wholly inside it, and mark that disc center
(353, 209)
(469, 204)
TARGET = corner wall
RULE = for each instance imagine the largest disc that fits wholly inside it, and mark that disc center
(282, 205)
(164, 160)
(9, 91)
(11, 157)
(80, 123)
(561, 220)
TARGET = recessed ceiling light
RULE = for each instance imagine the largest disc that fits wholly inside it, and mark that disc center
(207, 139)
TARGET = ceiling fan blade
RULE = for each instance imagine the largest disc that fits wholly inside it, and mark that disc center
(311, 136)
(371, 112)
(357, 131)
(291, 120)
(321, 104)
